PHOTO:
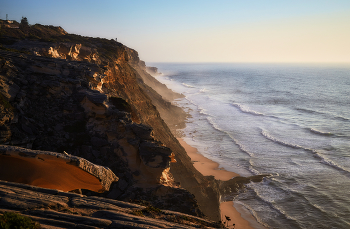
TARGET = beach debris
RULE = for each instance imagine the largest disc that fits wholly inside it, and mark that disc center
(227, 219)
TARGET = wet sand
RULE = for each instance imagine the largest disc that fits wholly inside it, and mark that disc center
(208, 167)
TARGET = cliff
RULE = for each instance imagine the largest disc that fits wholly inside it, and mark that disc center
(89, 97)
(94, 99)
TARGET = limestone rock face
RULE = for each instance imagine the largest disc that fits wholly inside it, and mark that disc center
(68, 112)
(53, 170)
(56, 111)
(69, 51)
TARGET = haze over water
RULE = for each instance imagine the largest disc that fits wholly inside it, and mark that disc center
(290, 121)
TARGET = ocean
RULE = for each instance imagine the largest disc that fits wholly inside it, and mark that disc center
(287, 120)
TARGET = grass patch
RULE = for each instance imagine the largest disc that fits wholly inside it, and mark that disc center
(138, 213)
(151, 209)
(148, 211)
(11, 220)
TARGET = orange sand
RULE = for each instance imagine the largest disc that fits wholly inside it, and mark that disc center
(227, 209)
(210, 168)
(47, 172)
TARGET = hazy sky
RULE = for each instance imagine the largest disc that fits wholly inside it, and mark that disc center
(202, 30)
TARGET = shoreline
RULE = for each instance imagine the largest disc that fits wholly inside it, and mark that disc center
(208, 167)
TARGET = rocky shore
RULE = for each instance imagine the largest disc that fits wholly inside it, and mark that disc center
(94, 99)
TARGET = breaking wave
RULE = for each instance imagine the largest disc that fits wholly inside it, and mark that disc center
(329, 115)
(203, 90)
(187, 85)
(316, 154)
(329, 162)
(239, 145)
(312, 130)
(271, 138)
(247, 110)
(309, 111)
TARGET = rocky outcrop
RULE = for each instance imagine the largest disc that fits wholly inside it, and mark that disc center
(60, 112)
(57, 209)
(58, 107)
(53, 170)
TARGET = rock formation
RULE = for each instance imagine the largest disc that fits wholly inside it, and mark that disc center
(56, 209)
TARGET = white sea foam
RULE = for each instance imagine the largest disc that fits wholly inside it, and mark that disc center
(260, 225)
(323, 158)
(268, 136)
(242, 147)
(203, 90)
(329, 162)
(246, 109)
(237, 143)
(269, 198)
(252, 170)
(320, 132)
(326, 114)
(187, 85)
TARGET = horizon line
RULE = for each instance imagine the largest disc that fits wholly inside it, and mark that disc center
(239, 62)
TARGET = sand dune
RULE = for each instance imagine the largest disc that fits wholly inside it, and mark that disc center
(52, 170)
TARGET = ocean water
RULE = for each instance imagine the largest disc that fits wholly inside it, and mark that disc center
(289, 121)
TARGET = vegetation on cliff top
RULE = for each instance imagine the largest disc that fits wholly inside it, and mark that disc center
(11, 220)
(10, 33)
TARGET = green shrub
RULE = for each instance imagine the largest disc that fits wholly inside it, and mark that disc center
(13, 220)
(138, 213)
(151, 209)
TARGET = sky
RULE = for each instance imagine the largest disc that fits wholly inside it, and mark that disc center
(300, 31)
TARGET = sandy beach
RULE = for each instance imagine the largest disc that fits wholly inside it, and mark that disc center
(208, 167)
(204, 165)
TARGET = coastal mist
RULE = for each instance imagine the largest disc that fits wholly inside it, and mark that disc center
(289, 121)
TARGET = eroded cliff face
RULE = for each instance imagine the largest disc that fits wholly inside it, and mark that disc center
(87, 96)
